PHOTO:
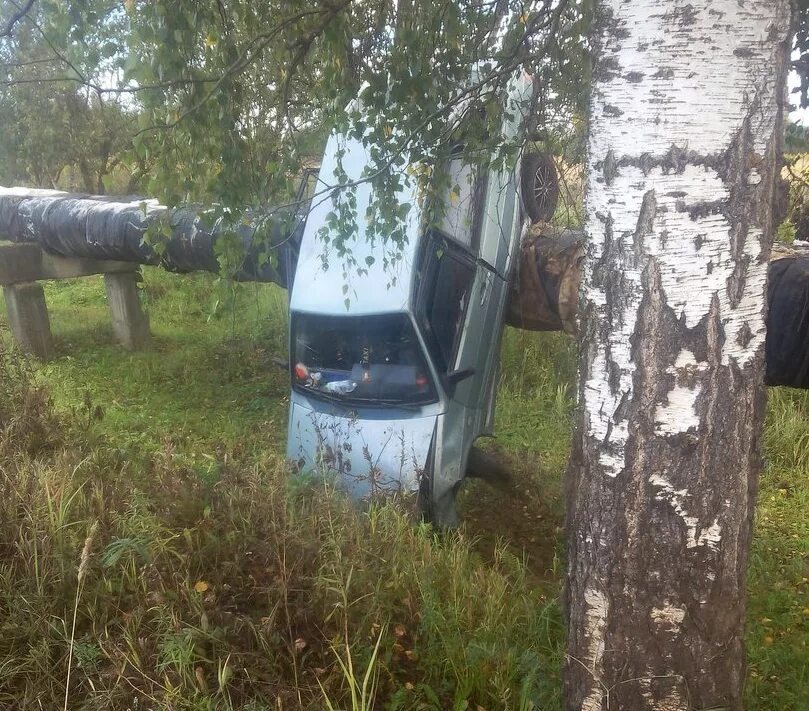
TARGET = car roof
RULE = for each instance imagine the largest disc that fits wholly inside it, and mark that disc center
(373, 284)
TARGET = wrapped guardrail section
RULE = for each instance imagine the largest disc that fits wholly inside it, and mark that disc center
(115, 228)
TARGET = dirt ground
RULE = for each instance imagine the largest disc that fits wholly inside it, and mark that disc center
(525, 514)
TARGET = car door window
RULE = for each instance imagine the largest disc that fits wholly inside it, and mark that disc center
(447, 280)
(460, 205)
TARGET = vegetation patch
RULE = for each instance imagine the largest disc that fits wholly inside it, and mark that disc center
(212, 580)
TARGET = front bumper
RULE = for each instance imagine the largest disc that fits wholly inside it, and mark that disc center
(380, 451)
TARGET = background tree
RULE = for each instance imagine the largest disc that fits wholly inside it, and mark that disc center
(54, 113)
(684, 156)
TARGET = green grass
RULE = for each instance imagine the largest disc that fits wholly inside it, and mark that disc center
(213, 582)
(778, 611)
(209, 379)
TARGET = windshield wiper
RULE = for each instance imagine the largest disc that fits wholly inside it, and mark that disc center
(371, 402)
(322, 394)
(349, 402)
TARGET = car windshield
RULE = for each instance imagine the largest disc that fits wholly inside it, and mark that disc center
(372, 360)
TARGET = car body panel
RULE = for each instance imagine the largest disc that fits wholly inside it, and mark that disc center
(368, 452)
(385, 283)
(500, 220)
(478, 338)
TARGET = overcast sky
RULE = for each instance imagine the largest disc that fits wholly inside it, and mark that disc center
(800, 116)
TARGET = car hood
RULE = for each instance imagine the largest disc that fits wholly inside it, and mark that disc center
(367, 456)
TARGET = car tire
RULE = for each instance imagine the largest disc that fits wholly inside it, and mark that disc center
(540, 186)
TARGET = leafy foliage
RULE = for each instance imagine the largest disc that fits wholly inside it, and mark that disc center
(234, 98)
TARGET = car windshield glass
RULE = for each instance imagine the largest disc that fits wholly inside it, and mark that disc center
(360, 359)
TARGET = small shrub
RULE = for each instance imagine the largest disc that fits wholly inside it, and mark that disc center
(27, 421)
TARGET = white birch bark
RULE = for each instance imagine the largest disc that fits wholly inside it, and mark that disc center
(686, 117)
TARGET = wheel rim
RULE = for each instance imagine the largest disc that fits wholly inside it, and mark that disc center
(542, 185)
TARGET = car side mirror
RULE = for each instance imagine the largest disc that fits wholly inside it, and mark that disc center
(456, 376)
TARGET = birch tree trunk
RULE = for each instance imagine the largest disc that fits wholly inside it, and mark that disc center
(685, 136)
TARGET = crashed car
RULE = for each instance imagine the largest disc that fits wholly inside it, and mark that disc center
(394, 368)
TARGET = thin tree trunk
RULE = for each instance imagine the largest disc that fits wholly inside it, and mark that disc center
(686, 118)
(88, 178)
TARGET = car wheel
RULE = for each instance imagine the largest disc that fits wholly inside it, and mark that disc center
(540, 186)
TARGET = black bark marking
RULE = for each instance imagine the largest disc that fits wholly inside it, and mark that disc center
(621, 33)
(634, 77)
(737, 281)
(608, 221)
(674, 161)
(744, 336)
(621, 411)
(700, 210)
(614, 375)
(663, 73)
(740, 159)
(612, 111)
(645, 224)
(606, 70)
(646, 163)
(608, 167)
(684, 16)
